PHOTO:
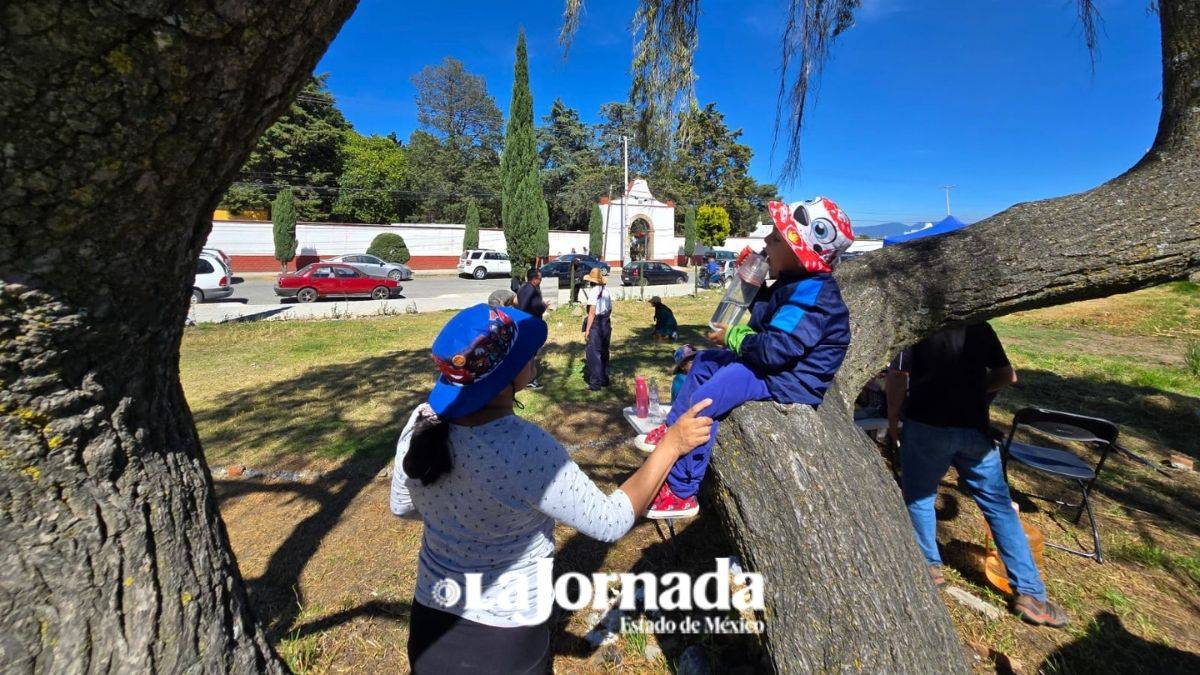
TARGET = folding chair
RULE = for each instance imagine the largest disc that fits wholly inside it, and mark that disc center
(1097, 433)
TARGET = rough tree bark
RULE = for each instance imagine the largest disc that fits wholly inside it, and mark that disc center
(121, 122)
(804, 494)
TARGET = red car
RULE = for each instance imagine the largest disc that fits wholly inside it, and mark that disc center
(324, 280)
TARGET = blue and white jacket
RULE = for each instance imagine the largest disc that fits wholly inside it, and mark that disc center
(801, 332)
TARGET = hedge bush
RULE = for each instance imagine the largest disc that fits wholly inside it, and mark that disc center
(390, 247)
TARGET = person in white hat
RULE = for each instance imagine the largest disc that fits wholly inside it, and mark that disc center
(597, 330)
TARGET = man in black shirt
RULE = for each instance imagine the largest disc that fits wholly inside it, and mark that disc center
(951, 379)
(529, 299)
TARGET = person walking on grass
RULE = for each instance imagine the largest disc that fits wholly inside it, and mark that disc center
(489, 488)
(597, 330)
(945, 384)
(529, 300)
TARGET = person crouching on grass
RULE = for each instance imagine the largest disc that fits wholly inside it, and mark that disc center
(490, 487)
(665, 325)
(789, 352)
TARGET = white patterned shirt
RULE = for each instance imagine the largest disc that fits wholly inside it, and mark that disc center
(494, 512)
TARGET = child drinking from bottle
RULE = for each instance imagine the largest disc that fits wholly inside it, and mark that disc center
(790, 350)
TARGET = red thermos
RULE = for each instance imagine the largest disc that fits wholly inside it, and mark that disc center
(641, 397)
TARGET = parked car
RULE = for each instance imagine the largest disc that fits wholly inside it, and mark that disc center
(211, 281)
(338, 280)
(652, 271)
(561, 269)
(482, 263)
(722, 255)
(220, 255)
(590, 259)
(373, 266)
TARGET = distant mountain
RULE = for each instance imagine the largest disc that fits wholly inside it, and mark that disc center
(889, 229)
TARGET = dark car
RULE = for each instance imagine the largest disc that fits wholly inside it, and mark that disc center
(587, 258)
(653, 272)
(561, 269)
(339, 280)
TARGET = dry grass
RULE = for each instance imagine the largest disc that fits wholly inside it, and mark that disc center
(332, 572)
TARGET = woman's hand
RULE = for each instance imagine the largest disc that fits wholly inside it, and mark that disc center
(718, 334)
(690, 430)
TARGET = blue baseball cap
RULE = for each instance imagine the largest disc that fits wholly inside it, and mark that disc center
(479, 352)
(684, 354)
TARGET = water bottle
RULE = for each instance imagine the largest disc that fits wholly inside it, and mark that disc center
(751, 274)
(641, 398)
(655, 407)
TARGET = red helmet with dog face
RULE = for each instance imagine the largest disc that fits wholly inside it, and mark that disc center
(816, 230)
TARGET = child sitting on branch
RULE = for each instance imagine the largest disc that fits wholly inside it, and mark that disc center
(789, 351)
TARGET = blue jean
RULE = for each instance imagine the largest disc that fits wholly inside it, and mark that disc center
(718, 375)
(926, 454)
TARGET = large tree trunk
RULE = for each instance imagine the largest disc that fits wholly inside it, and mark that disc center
(120, 124)
(805, 494)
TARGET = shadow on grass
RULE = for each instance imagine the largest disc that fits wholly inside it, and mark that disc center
(1109, 648)
(1165, 420)
(307, 414)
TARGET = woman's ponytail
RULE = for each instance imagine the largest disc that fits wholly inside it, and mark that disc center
(428, 456)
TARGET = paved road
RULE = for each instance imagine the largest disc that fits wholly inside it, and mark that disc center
(259, 290)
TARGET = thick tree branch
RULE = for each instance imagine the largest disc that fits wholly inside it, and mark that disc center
(803, 493)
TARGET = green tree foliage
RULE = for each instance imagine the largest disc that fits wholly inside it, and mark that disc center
(543, 240)
(689, 231)
(456, 152)
(375, 168)
(283, 221)
(522, 207)
(389, 246)
(596, 233)
(302, 149)
(712, 225)
(471, 233)
(572, 176)
(712, 166)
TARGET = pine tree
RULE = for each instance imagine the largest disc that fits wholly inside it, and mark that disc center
(283, 220)
(522, 207)
(471, 234)
(596, 233)
(689, 232)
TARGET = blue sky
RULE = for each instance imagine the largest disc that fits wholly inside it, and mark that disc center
(996, 97)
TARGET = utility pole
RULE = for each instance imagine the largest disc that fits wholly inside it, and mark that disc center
(624, 193)
(947, 188)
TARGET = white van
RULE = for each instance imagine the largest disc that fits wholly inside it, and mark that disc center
(482, 263)
(212, 280)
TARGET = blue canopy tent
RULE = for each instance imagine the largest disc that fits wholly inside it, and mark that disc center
(947, 224)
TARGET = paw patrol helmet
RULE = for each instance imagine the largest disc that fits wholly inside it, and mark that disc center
(816, 230)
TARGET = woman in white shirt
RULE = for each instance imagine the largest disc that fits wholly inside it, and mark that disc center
(597, 331)
(489, 487)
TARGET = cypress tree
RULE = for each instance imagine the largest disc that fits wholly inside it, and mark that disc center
(471, 233)
(543, 241)
(689, 232)
(596, 233)
(522, 208)
(283, 225)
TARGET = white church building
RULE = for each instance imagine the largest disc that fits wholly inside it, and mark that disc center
(638, 226)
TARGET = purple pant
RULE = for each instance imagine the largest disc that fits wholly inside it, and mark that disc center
(718, 375)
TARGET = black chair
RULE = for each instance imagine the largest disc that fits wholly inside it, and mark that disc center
(1094, 432)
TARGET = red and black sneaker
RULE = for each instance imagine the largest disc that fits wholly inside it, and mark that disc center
(646, 442)
(667, 505)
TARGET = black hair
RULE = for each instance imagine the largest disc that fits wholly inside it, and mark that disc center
(532, 274)
(428, 457)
